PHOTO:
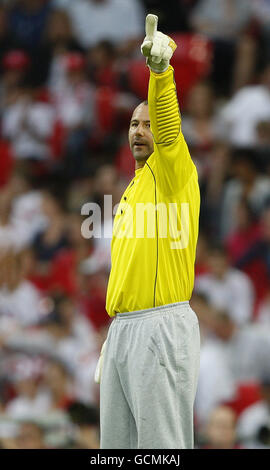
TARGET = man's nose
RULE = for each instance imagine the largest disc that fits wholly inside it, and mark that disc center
(139, 130)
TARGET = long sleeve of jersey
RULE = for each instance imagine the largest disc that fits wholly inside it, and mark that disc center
(173, 162)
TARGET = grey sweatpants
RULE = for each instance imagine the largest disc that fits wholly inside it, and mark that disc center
(149, 379)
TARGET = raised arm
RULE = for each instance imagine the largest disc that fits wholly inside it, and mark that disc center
(163, 107)
(173, 162)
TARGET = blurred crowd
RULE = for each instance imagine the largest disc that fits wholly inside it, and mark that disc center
(71, 73)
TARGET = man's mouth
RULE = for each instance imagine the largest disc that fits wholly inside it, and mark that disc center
(139, 144)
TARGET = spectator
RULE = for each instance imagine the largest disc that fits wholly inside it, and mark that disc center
(105, 183)
(71, 337)
(74, 103)
(30, 436)
(201, 266)
(28, 124)
(27, 203)
(7, 41)
(13, 234)
(263, 134)
(254, 423)
(80, 191)
(58, 40)
(64, 336)
(227, 288)
(216, 383)
(220, 429)
(86, 423)
(15, 66)
(206, 315)
(106, 187)
(212, 188)
(247, 107)
(87, 17)
(263, 146)
(172, 16)
(95, 275)
(53, 238)
(230, 357)
(261, 13)
(21, 216)
(247, 231)
(102, 64)
(19, 299)
(247, 182)
(258, 252)
(199, 125)
(226, 23)
(222, 19)
(27, 20)
(30, 401)
(59, 382)
(64, 273)
(264, 310)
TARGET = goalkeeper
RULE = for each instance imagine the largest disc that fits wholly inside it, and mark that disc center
(150, 359)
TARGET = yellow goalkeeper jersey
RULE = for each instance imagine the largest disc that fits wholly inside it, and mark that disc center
(156, 224)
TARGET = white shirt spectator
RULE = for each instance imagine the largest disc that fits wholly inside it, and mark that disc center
(243, 112)
(14, 235)
(115, 20)
(27, 211)
(26, 220)
(224, 365)
(221, 19)
(28, 126)
(249, 352)
(25, 408)
(251, 421)
(75, 105)
(100, 259)
(21, 304)
(233, 293)
(216, 383)
(80, 352)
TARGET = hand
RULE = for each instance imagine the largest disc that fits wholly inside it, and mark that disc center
(156, 47)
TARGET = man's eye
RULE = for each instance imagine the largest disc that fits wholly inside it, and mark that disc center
(148, 124)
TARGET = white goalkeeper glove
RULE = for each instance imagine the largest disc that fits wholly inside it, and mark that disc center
(156, 47)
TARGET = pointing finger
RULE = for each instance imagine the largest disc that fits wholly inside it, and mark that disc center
(156, 50)
(151, 26)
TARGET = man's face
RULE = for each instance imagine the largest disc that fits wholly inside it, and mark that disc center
(140, 136)
(218, 264)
